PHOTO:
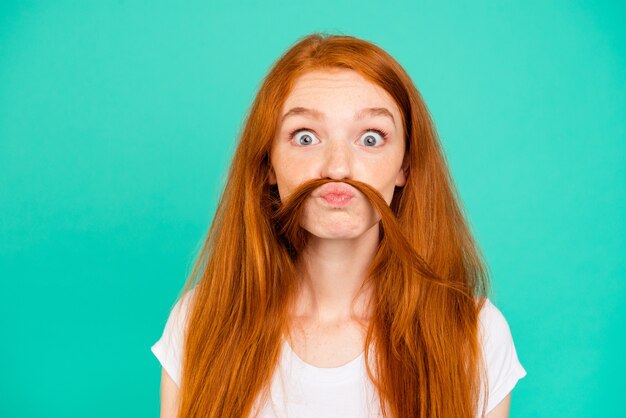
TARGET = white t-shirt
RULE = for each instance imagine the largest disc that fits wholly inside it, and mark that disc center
(301, 390)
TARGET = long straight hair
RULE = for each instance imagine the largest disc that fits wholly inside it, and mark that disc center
(428, 278)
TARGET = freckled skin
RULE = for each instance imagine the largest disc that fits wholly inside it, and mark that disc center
(339, 150)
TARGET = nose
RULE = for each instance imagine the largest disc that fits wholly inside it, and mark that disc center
(337, 162)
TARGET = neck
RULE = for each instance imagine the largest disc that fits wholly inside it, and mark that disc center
(332, 273)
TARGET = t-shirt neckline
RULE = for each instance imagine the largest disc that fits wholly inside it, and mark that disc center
(352, 370)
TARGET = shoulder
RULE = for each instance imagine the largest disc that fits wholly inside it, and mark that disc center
(169, 348)
(495, 333)
(493, 324)
(177, 319)
(182, 306)
(502, 366)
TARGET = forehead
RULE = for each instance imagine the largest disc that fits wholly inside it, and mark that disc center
(338, 90)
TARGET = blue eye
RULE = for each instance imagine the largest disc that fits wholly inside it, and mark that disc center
(304, 137)
(373, 138)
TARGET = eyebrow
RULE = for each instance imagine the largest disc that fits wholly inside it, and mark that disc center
(316, 114)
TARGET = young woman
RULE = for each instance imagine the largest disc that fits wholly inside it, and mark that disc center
(339, 277)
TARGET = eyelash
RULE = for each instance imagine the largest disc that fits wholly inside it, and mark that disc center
(380, 132)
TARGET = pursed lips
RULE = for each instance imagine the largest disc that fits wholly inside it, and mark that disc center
(337, 194)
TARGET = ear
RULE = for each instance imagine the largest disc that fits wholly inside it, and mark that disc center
(403, 172)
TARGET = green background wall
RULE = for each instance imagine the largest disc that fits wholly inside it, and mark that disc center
(118, 120)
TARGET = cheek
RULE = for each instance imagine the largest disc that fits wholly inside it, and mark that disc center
(382, 180)
(287, 180)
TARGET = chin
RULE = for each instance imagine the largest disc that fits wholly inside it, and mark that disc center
(339, 232)
(333, 235)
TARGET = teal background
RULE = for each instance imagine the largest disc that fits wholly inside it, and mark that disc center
(118, 120)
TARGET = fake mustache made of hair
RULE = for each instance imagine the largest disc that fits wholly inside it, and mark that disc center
(394, 248)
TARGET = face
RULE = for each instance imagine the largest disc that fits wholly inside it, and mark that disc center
(336, 124)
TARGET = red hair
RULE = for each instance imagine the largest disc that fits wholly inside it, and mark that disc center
(428, 277)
